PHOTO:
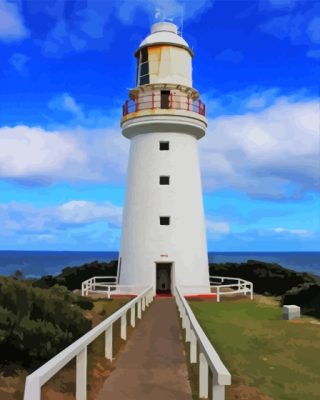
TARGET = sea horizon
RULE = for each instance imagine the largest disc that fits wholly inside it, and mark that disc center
(36, 263)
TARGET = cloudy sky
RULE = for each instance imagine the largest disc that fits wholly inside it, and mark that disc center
(65, 69)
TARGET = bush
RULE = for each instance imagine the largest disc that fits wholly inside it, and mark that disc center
(72, 277)
(307, 296)
(36, 324)
(267, 278)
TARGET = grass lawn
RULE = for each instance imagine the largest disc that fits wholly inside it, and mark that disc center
(268, 358)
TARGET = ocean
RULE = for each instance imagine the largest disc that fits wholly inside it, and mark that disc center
(38, 263)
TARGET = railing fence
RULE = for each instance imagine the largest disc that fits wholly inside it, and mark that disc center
(78, 349)
(208, 357)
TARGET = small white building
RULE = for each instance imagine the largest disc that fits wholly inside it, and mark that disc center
(163, 233)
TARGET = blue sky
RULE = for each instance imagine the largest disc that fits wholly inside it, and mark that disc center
(66, 66)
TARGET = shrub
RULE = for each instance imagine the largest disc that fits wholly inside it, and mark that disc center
(307, 296)
(267, 278)
(72, 277)
(35, 324)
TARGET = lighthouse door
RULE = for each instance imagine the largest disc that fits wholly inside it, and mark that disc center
(163, 278)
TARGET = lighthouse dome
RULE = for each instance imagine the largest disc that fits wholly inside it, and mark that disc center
(164, 33)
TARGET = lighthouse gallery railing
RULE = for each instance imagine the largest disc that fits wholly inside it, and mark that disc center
(208, 357)
(78, 349)
(152, 101)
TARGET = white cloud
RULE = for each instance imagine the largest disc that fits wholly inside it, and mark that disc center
(172, 10)
(297, 232)
(218, 228)
(88, 24)
(34, 156)
(313, 30)
(11, 23)
(299, 25)
(313, 53)
(65, 102)
(19, 62)
(79, 212)
(272, 153)
(25, 218)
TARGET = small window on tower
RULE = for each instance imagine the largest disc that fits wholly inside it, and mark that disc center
(164, 220)
(164, 145)
(164, 180)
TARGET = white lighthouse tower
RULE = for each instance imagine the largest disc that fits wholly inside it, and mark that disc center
(163, 234)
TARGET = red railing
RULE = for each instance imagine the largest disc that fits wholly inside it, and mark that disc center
(159, 101)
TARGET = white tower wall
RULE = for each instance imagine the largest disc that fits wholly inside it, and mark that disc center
(144, 240)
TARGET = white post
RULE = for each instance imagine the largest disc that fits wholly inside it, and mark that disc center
(218, 294)
(123, 332)
(203, 376)
(251, 291)
(143, 303)
(184, 318)
(217, 392)
(81, 375)
(193, 347)
(139, 309)
(108, 343)
(33, 388)
(133, 316)
(109, 291)
(187, 329)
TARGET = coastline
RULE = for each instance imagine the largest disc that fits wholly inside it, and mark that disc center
(34, 264)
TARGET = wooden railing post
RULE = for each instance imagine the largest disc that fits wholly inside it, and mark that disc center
(133, 317)
(139, 309)
(193, 347)
(188, 329)
(123, 332)
(81, 375)
(203, 376)
(218, 391)
(108, 343)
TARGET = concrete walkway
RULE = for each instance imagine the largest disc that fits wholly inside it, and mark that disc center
(152, 365)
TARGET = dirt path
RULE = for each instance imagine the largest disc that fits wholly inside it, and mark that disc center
(152, 364)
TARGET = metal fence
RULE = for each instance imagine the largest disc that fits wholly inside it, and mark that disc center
(151, 101)
(78, 349)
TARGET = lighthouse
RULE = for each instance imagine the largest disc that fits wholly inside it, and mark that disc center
(163, 241)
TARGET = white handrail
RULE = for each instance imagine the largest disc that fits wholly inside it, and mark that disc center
(78, 349)
(90, 284)
(208, 357)
(243, 286)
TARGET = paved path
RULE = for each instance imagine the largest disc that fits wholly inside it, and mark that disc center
(152, 365)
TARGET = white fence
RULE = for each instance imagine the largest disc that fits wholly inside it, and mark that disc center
(239, 286)
(90, 284)
(78, 349)
(208, 357)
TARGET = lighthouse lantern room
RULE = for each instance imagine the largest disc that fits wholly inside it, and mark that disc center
(163, 231)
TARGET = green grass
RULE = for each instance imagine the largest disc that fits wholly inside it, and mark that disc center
(279, 358)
